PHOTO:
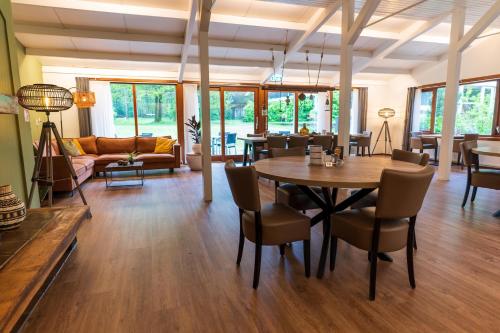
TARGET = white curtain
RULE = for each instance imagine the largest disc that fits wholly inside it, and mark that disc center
(191, 108)
(102, 112)
(322, 117)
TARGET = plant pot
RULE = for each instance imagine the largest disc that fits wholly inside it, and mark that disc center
(12, 209)
(194, 161)
(196, 148)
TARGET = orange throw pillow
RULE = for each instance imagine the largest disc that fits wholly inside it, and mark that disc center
(164, 146)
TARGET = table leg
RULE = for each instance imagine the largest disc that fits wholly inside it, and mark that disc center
(245, 154)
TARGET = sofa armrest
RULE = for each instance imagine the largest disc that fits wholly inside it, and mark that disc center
(177, 155)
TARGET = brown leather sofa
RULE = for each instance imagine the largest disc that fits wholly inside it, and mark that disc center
(101, 151)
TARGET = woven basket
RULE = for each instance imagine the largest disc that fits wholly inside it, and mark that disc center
(12, 209)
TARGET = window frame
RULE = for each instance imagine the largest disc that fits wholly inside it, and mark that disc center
(496, 113)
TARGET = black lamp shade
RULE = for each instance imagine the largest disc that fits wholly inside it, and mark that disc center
(44, 98)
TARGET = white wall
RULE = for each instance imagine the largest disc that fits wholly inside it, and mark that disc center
(71, 128)
(392, 94)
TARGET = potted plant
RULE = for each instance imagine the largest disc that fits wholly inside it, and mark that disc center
(195, 131)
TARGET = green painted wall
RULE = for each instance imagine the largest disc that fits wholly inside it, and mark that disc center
(16, 152)
(30, 72)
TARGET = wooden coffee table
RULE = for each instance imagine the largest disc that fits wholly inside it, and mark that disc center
(137, 166)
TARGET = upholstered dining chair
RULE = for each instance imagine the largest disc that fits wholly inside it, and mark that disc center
(370, 200)
(298, 141)
(291, 194)
(273, 141)
(417, 141)
(387, 227)
(477, 177)
(363, 142)
(457, 142)
(269, 224)
(326, 141)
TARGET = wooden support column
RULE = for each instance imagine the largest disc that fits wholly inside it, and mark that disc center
(345, 74)
(205, 99)
(451, 92)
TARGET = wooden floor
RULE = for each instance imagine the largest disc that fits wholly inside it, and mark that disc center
(158, 259)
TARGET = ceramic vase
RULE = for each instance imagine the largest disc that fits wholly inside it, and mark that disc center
(12, 209)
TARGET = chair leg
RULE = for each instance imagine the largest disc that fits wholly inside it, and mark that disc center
(276, 185)
(466, 195)
(333, 253)
(474, 191)
(373, 274)
(409, 254)
(435, 156)
(415, 240)
(307, 257)
(242, 241)
(369, 154)
(363, 151)
(282, 249)
(256, 268)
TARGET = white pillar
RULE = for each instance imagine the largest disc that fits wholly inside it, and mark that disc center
(205, 115)
(345, 74)
(322, 117)
(451, 92)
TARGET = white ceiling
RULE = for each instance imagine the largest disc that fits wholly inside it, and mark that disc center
(247, 29)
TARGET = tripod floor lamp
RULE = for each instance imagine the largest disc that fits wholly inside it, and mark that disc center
(47, 98)
(385, 113)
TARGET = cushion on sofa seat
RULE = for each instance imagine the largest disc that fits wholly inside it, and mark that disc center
(80, 169)
(88, 144)
(88, 156)
(155, 158)
(108, 158)
(145, 145)
(115, 145)
(86, 162)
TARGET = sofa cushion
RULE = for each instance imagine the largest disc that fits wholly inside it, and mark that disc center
(115, 145)
(80, 169)
(164, 146)
(145, 145)
(155, 158)
(88, 144)
(88, 156)
(53, 145)
(86, 162)
(71, 148)
(108, 158)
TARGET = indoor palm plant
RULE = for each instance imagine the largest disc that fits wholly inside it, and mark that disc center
(195, 131)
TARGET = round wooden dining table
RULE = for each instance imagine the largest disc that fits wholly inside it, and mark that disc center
(361, 173)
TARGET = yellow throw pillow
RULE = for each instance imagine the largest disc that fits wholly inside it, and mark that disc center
(164, 146)
(79, 146)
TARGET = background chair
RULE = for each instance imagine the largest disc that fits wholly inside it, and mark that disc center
(417, 141)
(326, 141)
(254, 155)
(298, 141)
(230, 142)
(270, 224)
(477, 177)
(457, 142)
(273, 141)
(390, 225)
(363, 142)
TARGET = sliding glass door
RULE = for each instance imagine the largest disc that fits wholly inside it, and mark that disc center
(239, 119)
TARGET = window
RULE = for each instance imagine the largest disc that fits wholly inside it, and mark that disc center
(476, 105)
(335, 110)
(123, 109)
(156, 110)
(280, 114)
(239, 109)
(308, 112)
(153, 113)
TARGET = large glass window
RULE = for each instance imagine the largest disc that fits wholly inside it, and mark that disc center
(425, 112)
(123, 109)
(239, 109)
(475, 108)
(155, 109)
(280, 114)
(335, 110)
(308, 113)
(354, 122)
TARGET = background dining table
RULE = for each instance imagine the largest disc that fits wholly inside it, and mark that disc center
(361, 173)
